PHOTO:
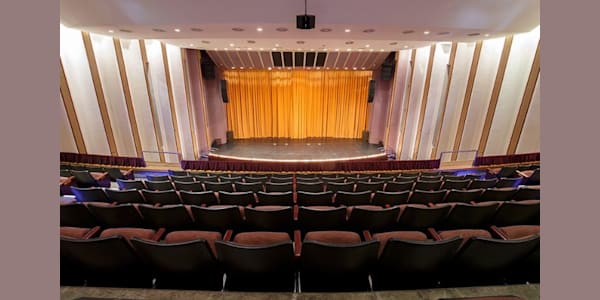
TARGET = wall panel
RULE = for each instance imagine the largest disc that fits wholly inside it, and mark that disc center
(77, 73)
(530, 136)
(517, 72)
(160, 96)
(414, 104)
(180, 100)
(456, 95)
(108, 69)
(67, 141)
(402, 70)
(489, 58)
(434, 100)
(139, 97)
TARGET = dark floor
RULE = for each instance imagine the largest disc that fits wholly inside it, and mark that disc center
(528, 291)
(315, 149)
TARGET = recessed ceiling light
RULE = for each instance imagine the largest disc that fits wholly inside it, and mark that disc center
(394, 43)
(367, 46)
(362, 68)
(226, 49)
(125, 30)
(158, 30)
(325, 29)
(298, 49)
(231, 45)
(276, 45)
(368, 30)
(251, 42)
(196, 29)
(473, 34)
(191, 45)
(349, 42)
(274, 49)
(249, 48)
(486, 35)
(241, 68)
(318, 68)
(354, 68)
(327, 68)
(312, 49)
(111, 31)
(259, 29)
(405, 46)
(233, 68)
(337, 49)
(381, 50)
(360, 49)
(281, 29)
(177, 30)
(426, 32)
(289, 68)
(237, 49)
(346, 30)
(261, 49)
(371, 49)
(237, 29)
(324, 49)
(349, 49)
(408, 31)
(269, 68)
(345, 68)
(216, 49)
(205, 42)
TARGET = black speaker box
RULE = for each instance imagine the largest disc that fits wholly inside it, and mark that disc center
(371, 91)
(208, 71)
(305, 22)
(224, 91)
(229, 135)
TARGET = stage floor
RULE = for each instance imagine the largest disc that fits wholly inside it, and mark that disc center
(294, 150)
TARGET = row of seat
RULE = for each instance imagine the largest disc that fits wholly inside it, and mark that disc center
(318, 186)
(314, 261)
(288, 218)
(380, 198)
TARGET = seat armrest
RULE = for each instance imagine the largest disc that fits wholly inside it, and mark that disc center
(473, 203)
(367, 235)
(228, 235)
(498, 232)
(297, 243)
(434, 234)
(159, 233)
(430, 204)
(296, 210)
(91, 233)
(156, 205)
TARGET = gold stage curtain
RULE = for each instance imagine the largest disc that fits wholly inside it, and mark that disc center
(297, 103)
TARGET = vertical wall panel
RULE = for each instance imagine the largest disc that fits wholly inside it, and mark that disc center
(456, 95)
(434, 100)
(379, 108)
(402, 69)
(67, 141)
(517, 71)
(77, 72)
(178, 84)
(530, 137)
(160, 97)
(139, 97)
(416, 96)
(489, 59)
(104, 51)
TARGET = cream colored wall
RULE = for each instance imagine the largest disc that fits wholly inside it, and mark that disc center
(502, 125)
(87, 110)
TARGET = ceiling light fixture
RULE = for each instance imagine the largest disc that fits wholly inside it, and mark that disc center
(177, 30)
(426, 32)
(231, 45)
(486, 35)
(259, 29)
(367, 46)
(111, 31)
(346, 30)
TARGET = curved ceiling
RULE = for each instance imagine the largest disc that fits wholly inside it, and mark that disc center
(383, 25)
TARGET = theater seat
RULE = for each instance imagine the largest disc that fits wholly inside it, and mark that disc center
(336, 261)
(258, 261)
(91, 194)
(130, 184)
(321, 218)
(386, 199)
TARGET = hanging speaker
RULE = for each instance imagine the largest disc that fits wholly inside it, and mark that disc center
(224, 91)
(371, 91)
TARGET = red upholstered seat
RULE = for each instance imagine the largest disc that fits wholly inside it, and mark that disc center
(261, 238)
(129, 233)
(333, 237)
(465, 233)
(190, 235)
(520, 231)
(73, 232)
(402, 235)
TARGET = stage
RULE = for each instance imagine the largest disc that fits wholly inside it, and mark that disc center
(298, 150)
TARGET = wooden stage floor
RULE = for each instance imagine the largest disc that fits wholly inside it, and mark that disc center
(291, 150)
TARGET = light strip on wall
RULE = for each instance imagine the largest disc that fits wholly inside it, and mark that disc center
(379, 155)
(438, 129)
(171, 98)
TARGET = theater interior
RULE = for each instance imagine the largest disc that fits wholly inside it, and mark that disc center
(288, 149)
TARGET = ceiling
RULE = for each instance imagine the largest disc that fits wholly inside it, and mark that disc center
(341, 25)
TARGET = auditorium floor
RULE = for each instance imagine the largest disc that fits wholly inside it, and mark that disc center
(529, 292)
